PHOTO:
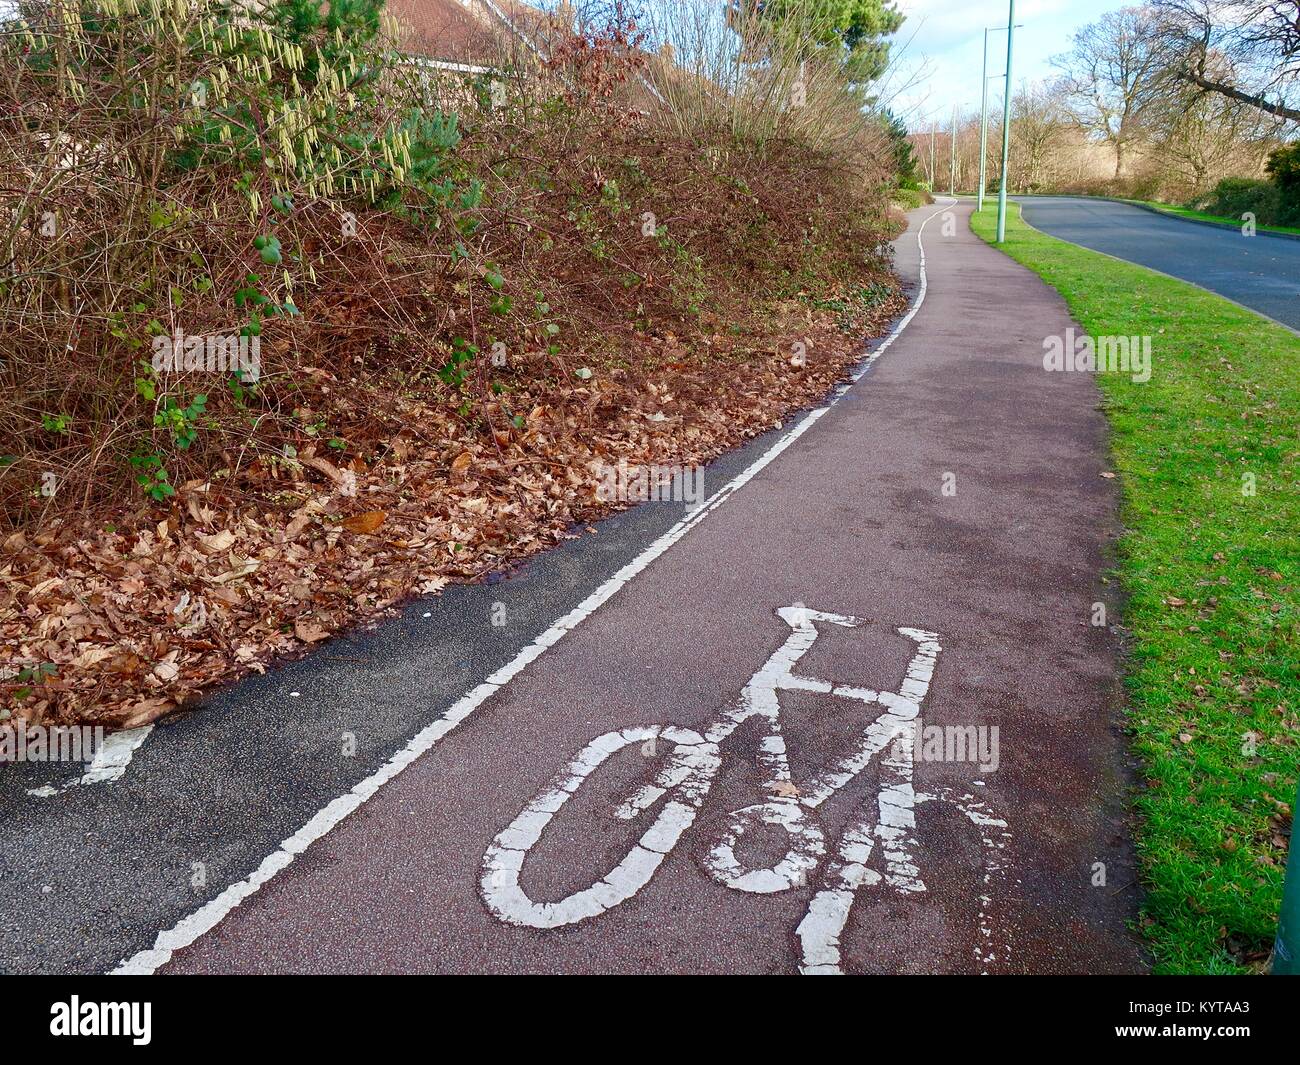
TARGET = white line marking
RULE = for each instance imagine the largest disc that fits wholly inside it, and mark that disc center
(689, 771)
(109, 763)
(191, 927)
(114, 756)
(906, 320)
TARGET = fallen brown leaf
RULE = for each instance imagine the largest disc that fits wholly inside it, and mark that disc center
(309, 631)
(146, 711)
(365, 523)
(217, 542)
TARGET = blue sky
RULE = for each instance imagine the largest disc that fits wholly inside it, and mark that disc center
(948, 37)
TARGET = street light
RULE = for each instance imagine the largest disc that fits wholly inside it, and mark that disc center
(1006, 125)
(952, 156)
(934, 184)
(984, 112)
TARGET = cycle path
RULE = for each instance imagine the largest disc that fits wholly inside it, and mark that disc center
(957, 488)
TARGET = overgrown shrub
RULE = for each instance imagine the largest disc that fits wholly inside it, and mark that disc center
(281, 174)
(192, 172)
(465, 289)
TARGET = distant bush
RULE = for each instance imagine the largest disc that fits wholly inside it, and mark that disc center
(1233, 197)
(1146, 187)
(1275, 202)
(1283, 167)
(912, 198)
(1090, 187)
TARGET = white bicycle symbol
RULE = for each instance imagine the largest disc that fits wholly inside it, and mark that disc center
(689, 772)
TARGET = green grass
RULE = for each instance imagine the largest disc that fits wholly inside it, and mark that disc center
(1212, 601)
(1187, 212)
(1202, 216)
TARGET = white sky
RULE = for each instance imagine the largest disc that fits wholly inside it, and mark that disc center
(947, 39)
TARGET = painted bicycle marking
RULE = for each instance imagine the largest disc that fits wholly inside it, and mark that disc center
(883, 829)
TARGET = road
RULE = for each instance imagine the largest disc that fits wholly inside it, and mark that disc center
(917, 559)
(1260, 272)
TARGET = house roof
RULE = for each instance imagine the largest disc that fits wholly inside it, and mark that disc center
(480, 33)
(443, 29)
(470, 31)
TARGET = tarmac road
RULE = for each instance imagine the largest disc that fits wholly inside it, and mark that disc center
(1261, 272)
(951, 502)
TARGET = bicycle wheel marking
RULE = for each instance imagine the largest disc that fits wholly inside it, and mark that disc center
(885, 825)
(504, 860)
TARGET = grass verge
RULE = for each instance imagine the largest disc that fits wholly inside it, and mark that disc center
(1204, 216)
(1207, 452)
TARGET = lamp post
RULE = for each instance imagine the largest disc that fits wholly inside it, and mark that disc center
(984, 123)
(952, 156)
(984, 114)
(1006, 125)
(933, 175)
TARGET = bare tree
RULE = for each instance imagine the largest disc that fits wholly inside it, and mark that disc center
(1205, 135)
(1258, 40)
(1114, 74)
(1039, 130)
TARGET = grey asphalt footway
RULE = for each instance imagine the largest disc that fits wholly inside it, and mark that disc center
(952, 505)
(1259, 272)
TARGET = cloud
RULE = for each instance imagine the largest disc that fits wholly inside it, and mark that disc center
(948, 43)
(942, 27)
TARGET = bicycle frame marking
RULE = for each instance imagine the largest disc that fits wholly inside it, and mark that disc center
(689, 773)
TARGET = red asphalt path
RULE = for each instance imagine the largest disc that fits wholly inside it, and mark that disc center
(851, 519)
